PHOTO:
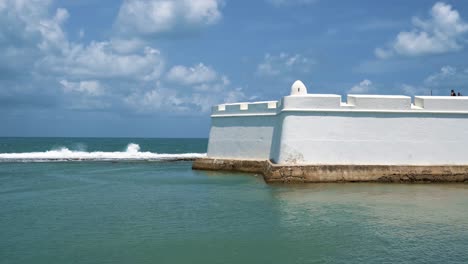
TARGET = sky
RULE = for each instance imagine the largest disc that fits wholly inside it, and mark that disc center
(154, 68)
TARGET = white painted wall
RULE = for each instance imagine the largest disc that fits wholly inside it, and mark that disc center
(442, 103)
(311, 101)
(373, 139)
(381, 102)
(246, 137)
(367, 130)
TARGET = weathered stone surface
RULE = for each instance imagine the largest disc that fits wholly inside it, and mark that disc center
(255, 166)
(366, 173)
(337, 173)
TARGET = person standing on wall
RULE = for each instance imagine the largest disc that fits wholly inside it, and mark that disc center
(452, 93)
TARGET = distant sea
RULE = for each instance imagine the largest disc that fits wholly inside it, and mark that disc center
(135, 200)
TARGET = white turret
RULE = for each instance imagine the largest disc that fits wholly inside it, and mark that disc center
(298, 88)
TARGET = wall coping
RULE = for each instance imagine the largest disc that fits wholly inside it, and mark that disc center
(271, 108)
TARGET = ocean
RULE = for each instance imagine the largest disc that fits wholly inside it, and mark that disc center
(135, 200)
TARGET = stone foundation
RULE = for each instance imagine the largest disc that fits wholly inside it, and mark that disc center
(253, 166)
(337, 173)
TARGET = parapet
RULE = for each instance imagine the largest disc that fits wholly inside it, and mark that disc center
(442, 103)
(299, 100)
(311, 101)
(380, 102)
(268, 107)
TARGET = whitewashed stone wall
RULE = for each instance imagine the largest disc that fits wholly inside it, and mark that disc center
(242, 131)
(321, 129)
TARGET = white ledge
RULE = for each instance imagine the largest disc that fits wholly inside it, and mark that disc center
(412, 111)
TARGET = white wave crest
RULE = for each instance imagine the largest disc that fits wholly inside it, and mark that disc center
(131, 154)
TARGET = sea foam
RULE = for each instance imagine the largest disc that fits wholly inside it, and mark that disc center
(132, 153)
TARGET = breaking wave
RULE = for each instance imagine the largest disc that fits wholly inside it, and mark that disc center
(132, 153)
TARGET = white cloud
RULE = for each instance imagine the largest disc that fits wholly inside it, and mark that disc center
(365, 86)
(92, 87)
(29, 24)
(219, 85)
(440, 83)
(412, 90)
(36, 47)
(162, 99)
(448, 77)
(236, 95)
(442, 32)
(445, 73)
(127, 46)
(23, 29)
(149, 17)
(24, 15)
(45, 47)
(192, 75)
(53, 37)
(102, 60)
(279, 3)
(157, 99)
(108, 74)
(383, 53)
(284, 63)
(192, 89)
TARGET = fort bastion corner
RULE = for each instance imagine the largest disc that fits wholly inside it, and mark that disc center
(306, 137)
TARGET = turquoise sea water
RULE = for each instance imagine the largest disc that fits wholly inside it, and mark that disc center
(163, 212)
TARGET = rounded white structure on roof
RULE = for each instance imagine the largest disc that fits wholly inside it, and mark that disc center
(298, 88)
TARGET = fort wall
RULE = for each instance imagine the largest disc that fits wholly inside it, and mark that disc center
(305, 129)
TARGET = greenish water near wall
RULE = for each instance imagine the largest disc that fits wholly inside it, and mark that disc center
(163, 212)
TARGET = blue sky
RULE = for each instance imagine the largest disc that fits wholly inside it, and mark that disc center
(154, 68)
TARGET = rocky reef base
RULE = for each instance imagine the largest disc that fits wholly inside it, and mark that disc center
(337, 173)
